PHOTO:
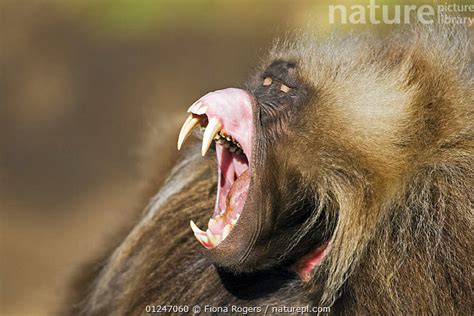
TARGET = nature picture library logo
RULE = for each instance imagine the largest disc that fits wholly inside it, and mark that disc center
(376, 13)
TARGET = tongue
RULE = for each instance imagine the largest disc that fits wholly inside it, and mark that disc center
(238, 194)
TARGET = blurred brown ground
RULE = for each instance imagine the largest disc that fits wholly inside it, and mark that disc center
(83, 84)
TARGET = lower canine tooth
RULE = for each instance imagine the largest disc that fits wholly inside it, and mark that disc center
(196, 229)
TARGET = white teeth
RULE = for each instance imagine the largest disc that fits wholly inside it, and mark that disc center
(235, 220)
(212, 222)
(209, 239)
(196, 229)
(201, 236)
(186, 130)
(213, 127)
(213, 239)
(226, 231)
(204, 240)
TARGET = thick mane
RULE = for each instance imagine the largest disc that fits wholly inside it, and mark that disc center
(403, 245)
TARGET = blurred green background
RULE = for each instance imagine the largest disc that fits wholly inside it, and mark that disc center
(84, 87)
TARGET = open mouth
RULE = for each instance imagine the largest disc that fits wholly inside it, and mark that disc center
(226, 118)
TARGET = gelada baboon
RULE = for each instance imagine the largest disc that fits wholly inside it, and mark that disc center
(340, 175)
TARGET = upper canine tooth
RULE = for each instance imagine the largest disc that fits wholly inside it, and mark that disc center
(213, 127)
(212, 222)
(186, 130)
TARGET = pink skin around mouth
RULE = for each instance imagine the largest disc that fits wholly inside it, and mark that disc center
(313, 259)
(233, 109)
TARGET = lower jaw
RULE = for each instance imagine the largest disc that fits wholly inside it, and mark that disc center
(233, 186)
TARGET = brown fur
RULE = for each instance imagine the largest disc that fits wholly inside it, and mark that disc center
(392, 165)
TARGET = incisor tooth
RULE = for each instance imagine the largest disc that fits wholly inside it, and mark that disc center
(213, 239)
(186, 130)
(213, 127)
(212, 222)
(226, 231)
